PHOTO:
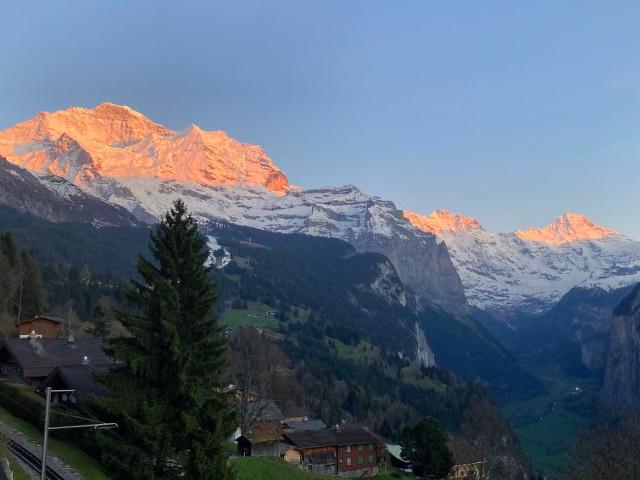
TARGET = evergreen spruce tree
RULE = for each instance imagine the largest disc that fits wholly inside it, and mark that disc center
(425, 446)
(169, 396)
(30, 293)
(98, 319)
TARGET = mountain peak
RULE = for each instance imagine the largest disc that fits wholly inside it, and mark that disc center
(442, 221)
(118, 141)
(570, 227)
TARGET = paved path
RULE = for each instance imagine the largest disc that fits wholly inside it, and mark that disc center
(61, 468)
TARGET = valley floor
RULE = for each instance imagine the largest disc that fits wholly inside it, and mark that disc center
(547, 425)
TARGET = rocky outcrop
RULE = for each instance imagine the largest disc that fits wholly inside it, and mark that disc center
(55, 199)
(424, 354)
(574, 333)
(622, 374)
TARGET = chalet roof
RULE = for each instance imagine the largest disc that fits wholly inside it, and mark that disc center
(268, 431)
(396, 451)
(56, 352)
(348, 434)
(303, 425)
(312, 438)
(341, 436)
(44, 317)
(81, 378)
(464, 452)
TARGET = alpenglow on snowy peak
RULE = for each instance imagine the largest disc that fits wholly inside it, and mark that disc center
(529, 270)
(125, 159)
(570, 227)
(83, 145)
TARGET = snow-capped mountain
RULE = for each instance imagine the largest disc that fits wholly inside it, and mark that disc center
(114, 141)
(531, 270)
(121, 157)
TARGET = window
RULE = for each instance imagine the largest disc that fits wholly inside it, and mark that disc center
(348, 448)
(360, 447)
(360, 460)
(370, 458)
(348, 460)
(371, 446)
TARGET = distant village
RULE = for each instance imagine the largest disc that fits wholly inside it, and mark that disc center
(44, 352)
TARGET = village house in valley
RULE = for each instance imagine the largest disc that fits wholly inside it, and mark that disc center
(44, 326)
(345, 450)
(50, 356)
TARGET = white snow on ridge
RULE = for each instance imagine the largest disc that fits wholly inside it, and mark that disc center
(214, 246)
(502, 272)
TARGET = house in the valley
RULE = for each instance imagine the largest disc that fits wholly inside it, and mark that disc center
(262, 440)
(44, 326)
(467, 461)
(31, 360)
(345, 450)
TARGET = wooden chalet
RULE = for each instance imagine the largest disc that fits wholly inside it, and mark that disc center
(43, 325)
(31, 360)
(262, 440)
(344, 450)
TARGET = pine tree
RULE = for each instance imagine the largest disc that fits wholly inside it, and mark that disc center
(30, 294)
(8, 248)
(425, 445)
(169, 397)
(98, 319)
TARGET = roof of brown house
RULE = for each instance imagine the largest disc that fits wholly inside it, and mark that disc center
(57, 352)
(44, 317)
(341, 435)
(267, 431)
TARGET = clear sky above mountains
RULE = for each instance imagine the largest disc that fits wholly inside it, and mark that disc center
(510, 112)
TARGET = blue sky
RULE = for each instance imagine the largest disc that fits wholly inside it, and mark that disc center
(510, 112)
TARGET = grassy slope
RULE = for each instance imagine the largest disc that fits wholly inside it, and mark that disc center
(271, 468)
(76, 458)
(17, 469)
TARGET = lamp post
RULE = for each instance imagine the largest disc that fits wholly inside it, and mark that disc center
(49, 391)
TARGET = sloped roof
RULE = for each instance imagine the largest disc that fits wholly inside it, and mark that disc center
(303, 425)
(44, 317)
(312, 439)
(341, 436)
(81, 378)
(57, 352)
(396, 451)
(268, 431)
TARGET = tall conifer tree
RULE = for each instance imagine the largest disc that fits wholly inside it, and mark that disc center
(169, 396)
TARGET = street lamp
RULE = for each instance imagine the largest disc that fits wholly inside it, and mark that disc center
(45, 441)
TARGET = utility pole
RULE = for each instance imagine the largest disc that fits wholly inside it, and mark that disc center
(43, 471)
(47, 428)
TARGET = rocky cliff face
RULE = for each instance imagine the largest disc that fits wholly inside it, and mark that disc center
(574, 333)
(55, 199)
(622, 374)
